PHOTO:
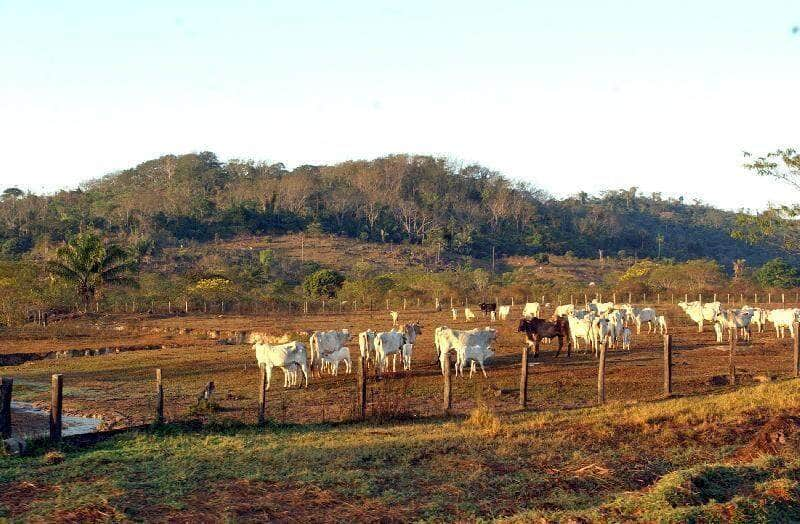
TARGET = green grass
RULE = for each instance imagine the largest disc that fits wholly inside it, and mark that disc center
(670, 461)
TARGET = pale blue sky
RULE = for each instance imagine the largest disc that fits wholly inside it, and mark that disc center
(572, 95)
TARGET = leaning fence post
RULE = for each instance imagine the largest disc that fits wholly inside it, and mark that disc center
(448, 387)
(667, 365)
(601, 375)
(159, 398)
(6, 386)
(731, 365)
(56, 399)
(796, 348)
(362, 387)
(523, 379)
(262, 394)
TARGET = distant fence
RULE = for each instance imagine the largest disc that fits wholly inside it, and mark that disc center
(324, 306)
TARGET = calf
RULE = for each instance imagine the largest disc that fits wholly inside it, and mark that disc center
(395, 315)
(332, 360)
(503, 311)
(472, 354)
(626, 339)
(468, 314)
(285, 356)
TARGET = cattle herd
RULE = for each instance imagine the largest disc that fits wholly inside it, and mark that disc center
(597, 324)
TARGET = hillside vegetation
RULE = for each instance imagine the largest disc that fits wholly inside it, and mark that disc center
(461, 210)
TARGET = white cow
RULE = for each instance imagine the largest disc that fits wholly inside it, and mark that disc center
(446, 340)
(531, 309)
(388, 343)
(366, 344)
(324, 343)
(662, 324)
(648, 315)
(564, 309)
(782, 319)
(286, 356)
(580, 327)
(395, 315)
(626, 339)
(332, 360)
(408, 349)
(468, 314)
(600, 308)
(699, 313)
(503, 311)
(600, 333)
(455, 313)
(759, 318)
(616, 325)
(472, 354)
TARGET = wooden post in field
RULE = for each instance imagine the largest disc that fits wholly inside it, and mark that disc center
(159, 398)
(56, 400)
(417, 302)
(523, 379)
(686, 297)
(323, 306)
(387, 304)
(715, 297)
(601, 375)
(672, 298)
(362, 387)
(729, 299)
(644, 298)
(448, 387)
(796, 350)
(667, 365)
(755, 298)
(169, 307)
(404, 303)
(585, 299)
(572, 299)
(6, 387)
(658, 298)
(512, 300)
(731, 365)
(262, 395)
(741, 298)
(769, 298)
(186, 306)
(700, 297)
(783, 298)
(630, 297)
(614, 297)
(451, 302)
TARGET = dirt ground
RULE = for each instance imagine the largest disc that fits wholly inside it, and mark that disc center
(120, 388)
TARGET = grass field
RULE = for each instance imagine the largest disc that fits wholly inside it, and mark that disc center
(559, 459)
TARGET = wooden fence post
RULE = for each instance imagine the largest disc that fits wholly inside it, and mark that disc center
(448, 387)
(783, 298)
(601, 375)
(523, 379)
(769, 298)
(667, 365)
(796, 350)
(262, 395)
(362, 387)
(404, 303)
(731, 365)
(159, 398)
(387, 304)
(56, 400)
(630, 298)
(6, 387)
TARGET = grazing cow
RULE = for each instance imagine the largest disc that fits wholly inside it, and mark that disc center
(472, 354)
(487, 307)
(531, 310)
(468, 314)
(446, 340)
(643, 315)
(503, 311)
(580, 328)
(782, 319)
(366, 344)
(395, 315)
(325, 342)
(332, 360)
(699, 313)
(601, 308)
(454, 311)
(564, 310)
(285, 356)
(661, 320)
(626, 339)
(388, 343)
(536, 329)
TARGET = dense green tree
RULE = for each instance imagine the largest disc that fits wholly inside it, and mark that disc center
(323, 283)
(778, 273)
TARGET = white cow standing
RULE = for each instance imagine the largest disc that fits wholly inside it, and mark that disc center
(503, 311)
(323, 343)
(388, 343)
(446, 340)
(332, 360)
(286, 356)
(531, 309)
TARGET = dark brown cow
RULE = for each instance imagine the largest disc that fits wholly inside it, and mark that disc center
(536, 329)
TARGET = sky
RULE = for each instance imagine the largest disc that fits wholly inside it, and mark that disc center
(569, 95)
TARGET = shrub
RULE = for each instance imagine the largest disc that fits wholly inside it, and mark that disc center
(778, 273)
(323, 283)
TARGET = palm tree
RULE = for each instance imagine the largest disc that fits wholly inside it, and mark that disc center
(87, 263)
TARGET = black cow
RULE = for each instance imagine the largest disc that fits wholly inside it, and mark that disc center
(536, 329)
(487, 307)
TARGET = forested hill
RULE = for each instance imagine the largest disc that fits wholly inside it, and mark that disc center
(418, 199)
